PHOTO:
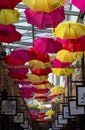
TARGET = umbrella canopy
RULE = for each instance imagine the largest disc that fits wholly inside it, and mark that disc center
(36, 90)
(19, 70)
(36, 64)
(8, 4)
(40, 72)
(51, 96)
(79, 5)
(47, 45)
(28, 89)
(43, 85)
(40, 97)
(57, 90)
(58, 64)
(34, 105)
(11, 60)
(50, 113)
(62, 71)
(23, 54)
(67, 30)
(44, 20)
(17, 76)
(34, 78)
(8, 16)
(43, 5)
(40, 55)
(41, 107)
(9, 34)
(22, 82)
(67, 56)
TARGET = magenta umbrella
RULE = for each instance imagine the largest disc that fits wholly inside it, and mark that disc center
(23, 54)
(8, 4)
(19, 70)
(58, 64)
(9, 34)
(47, 45)
(79, 4)
(44, 19)
(22, 82)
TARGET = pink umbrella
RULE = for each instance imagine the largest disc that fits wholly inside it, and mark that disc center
(29, 89)
(19, 70)
(22, 82)
(79, 4)
(47, 45)
(23, 54)
(8, 4)
(9, 34)
(44, 19)
(58, 64)
(17, 76)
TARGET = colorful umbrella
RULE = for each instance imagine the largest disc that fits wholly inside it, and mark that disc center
(8, 16)
(34, 105)
(41, 107)
(43, 5)
(47, 45)
(67, 30)
(9, 34)
(56, 100)
(22, 82)
(44, 20)
(36, 64)
(58, 64)
(17, 76)
(40, 56)
(62, 71)
(11, 60)
(40, 72)
(79, 5)
(43, 85)
(41, 91)
(19, 70)
(23, 54)
(51, 96)
(40, 97)
(8, 4)
(57, 90)
(67, 56)
(28, 89)
(50, 113)
(34, 78)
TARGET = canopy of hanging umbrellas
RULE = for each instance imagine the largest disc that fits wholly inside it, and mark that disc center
(30, 67)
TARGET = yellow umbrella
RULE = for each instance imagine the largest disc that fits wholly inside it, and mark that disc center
(41, 107)
(8, 16)
(43, 5)
(67, 56)
(50, 113)
(62, 71)
(77, 55)
(43, 86)
(34, 78)
(36, 64)
(57, 100)
(57, 90)
(69, 30)
(33, 105)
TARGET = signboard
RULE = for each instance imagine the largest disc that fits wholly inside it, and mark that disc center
(8, 107)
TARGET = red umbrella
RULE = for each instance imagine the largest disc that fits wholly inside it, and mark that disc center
(40, 72)
(40, 55)
(17, 76)
(29, 89)
(47, 45)
(19, 70)
(11, 60)
(79, 4)
(45, 19)
(8, 4)
(73, 45)
(41, 91)
(9, 34)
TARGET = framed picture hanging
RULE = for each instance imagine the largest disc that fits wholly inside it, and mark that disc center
(66, 114)
(9, 107)
(75, 110)
(61, 120)
(19, 118)
(80, 95)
